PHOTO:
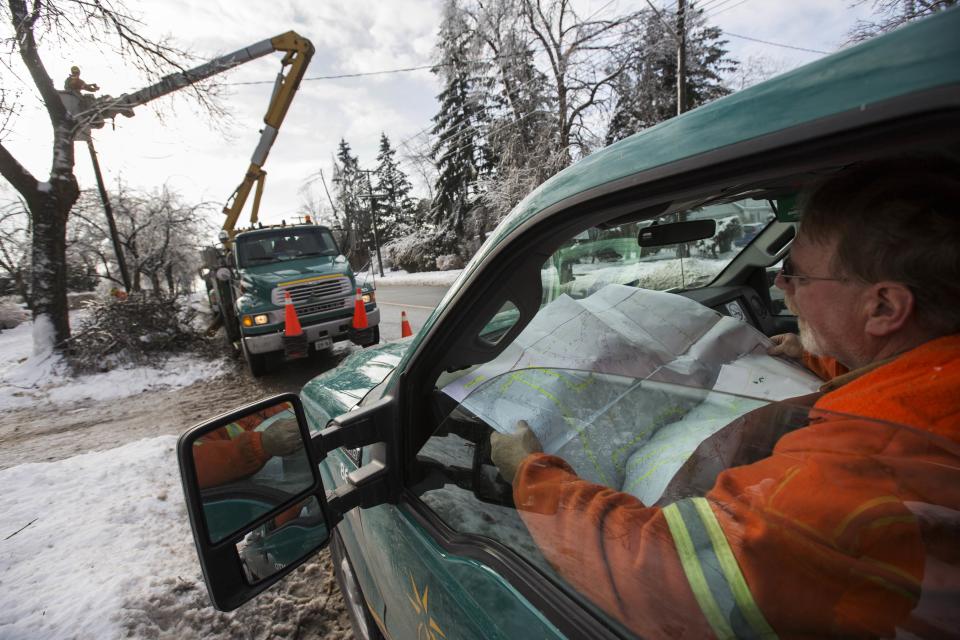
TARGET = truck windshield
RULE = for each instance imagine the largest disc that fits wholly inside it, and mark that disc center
(285, 244)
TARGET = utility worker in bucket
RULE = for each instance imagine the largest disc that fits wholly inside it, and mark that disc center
(75, 84)
(849, 525)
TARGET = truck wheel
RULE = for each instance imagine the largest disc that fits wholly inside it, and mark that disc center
(257, 363)
(364, 626)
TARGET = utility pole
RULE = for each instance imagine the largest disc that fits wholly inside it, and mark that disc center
(373, 216)
(681, 57)
(108, 211)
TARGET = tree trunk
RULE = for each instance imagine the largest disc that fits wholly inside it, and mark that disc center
(23, 290)
(171, 283)
(49, 255)
(155, 281)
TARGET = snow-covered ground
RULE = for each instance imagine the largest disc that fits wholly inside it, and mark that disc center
(27, 379)
(98, 545)
(400, 277)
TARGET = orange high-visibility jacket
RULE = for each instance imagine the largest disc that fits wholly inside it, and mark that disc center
(849, 527)
(233, 452)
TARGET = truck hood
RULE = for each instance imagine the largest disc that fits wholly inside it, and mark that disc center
(276, 273)
(260, 280)
(337, 391)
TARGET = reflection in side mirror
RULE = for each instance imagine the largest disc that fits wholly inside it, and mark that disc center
(255, 498)
(287, 538)
(250, 466)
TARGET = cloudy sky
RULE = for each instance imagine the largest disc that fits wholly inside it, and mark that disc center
(205, 160)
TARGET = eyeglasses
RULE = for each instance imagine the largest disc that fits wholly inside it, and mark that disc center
(787, 273)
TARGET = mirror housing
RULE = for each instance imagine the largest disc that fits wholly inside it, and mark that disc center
(253, 527)
(661, 235)
(253, 520)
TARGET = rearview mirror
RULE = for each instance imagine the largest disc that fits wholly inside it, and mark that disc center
(254, 495)
(661, 235)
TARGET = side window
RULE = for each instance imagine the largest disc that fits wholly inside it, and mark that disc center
(778, 304)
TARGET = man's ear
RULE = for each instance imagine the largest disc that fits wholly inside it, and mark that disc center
(890, 305)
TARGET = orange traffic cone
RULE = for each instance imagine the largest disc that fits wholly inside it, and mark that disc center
(294, 339)
(359, 312)
(405, 329)
(291, 325)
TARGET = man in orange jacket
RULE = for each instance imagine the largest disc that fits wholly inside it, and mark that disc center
(849, 525)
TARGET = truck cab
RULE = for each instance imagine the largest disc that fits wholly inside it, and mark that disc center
(265, 264)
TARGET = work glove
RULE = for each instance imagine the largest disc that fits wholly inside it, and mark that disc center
(508, 450)
(281, 438)
(786, 345)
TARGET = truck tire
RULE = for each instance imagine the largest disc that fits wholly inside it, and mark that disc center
(257, 363)
(364, 626)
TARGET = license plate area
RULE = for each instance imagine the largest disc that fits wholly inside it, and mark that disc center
(324, 342)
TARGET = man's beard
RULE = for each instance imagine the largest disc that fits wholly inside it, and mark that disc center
(809, 341)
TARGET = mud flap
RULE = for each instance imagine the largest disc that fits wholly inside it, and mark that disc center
(365, 337)
(295, 346)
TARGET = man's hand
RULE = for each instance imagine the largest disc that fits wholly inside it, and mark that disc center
(508, 451)
(281, 438)
(786, 345)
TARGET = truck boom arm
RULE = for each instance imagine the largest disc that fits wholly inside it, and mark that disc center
(297, 53)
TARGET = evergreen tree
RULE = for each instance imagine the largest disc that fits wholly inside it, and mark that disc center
(647, 93)
(395, 208)
(353, 213)
(459, 148)
(523, 131)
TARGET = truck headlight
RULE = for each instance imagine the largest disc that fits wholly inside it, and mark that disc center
(260, 318)
(369, 297)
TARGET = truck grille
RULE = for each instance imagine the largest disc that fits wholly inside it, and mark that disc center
(322, 294)
(317, 308)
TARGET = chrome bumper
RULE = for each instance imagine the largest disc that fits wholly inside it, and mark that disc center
(331, 328)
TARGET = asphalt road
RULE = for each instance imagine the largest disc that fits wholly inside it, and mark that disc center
(417, 301)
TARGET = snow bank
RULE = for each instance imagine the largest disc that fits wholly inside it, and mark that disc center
(96, 526)
(27, 379)
(423, 278)
(98, 546)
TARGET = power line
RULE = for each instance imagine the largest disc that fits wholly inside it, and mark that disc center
(714, 10)
(776, 44)
(733, 6)
(351, 75)
(381, 72)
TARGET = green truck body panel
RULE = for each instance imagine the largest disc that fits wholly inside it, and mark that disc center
(339, 390)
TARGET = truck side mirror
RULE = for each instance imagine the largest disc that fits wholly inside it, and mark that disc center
(255, 497)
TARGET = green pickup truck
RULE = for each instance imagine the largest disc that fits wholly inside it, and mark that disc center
(247, 286)
(393, 467)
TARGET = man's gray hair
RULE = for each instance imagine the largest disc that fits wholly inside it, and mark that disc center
(896, 219)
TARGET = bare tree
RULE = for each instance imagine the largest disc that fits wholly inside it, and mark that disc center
(890, 14)
(158, 233)
(109, 25)
(15, 247)
(583, 60)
